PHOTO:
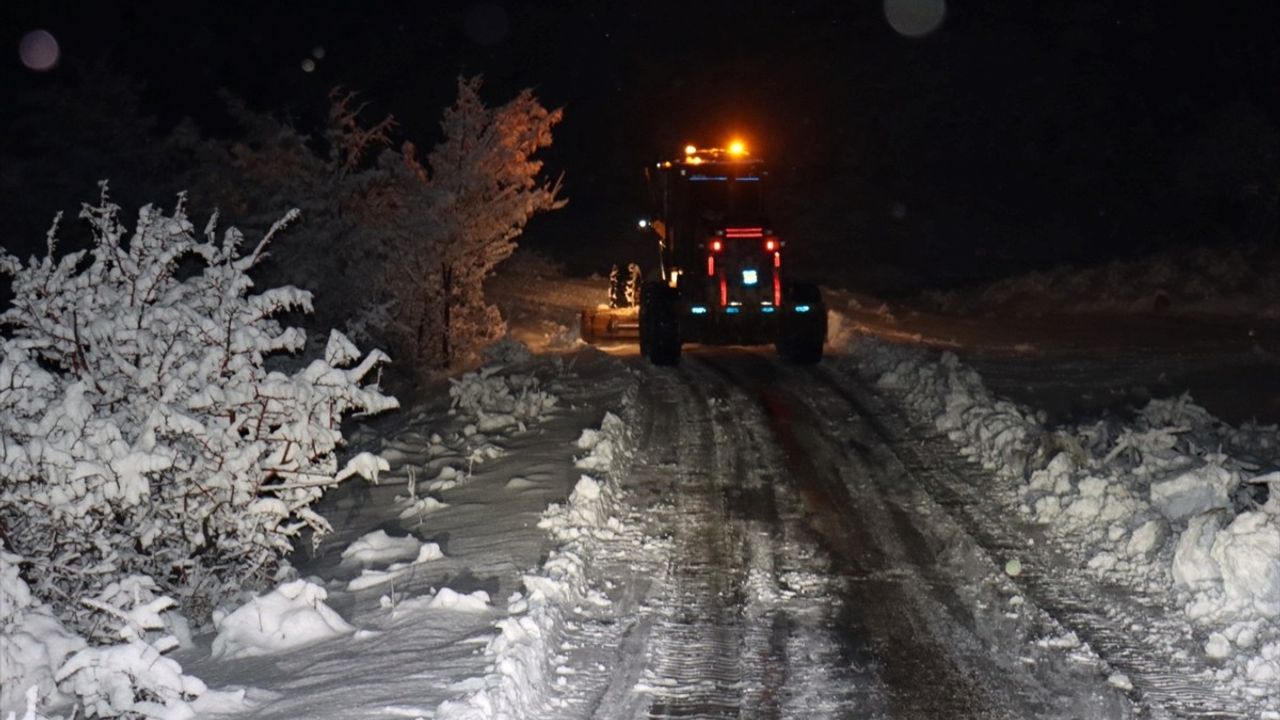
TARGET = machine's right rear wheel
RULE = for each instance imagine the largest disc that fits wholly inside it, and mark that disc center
(801, 335)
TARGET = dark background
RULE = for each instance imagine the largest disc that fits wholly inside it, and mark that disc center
(1017, 135)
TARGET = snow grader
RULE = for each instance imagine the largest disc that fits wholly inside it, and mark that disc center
(720, 278)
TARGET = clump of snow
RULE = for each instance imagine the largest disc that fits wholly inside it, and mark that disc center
(421, 506)
(601, 444)
(1194, 492)
(1193, 564)
(1120, 680)
(377, 548)
(1247, 552)
(447, 599)
(369, 578)
(292, 615)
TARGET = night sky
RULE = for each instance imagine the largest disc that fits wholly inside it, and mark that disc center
(1014, 135)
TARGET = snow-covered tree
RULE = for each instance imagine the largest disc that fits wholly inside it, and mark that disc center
(427, 231)
(450, 222)
(141, 431)
(275, 165)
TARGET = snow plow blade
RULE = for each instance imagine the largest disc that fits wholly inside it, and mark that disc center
(600, 325)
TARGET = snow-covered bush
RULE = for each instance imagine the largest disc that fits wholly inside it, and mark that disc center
(33, 642)
(488, 392)
(131, 676)
(141, 431)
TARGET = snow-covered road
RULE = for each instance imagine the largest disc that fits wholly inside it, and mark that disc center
(809, 574)
(740, 538)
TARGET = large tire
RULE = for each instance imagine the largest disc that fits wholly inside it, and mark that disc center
(801, 336)
(659, 324)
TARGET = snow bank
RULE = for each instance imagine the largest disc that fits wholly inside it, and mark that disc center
(1159, 504)
(523, 653)
(292, 615)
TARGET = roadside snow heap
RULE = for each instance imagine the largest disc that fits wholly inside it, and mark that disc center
(524, 652)
(147, 453)
(1173, 502)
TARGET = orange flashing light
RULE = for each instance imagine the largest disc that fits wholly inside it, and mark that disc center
(737, 147)
(690, 150)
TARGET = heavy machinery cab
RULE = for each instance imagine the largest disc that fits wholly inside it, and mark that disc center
(721, 266)
(717, 246)
(698, 198)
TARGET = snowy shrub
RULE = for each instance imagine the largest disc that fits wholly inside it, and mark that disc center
(488, 392)
(33, 642)
(140, 429)
(131, 676)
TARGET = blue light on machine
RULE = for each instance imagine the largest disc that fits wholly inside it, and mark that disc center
(767, 308)
(732, 310)
(698, 309)
(750, 277)
(708, 178)
(747, 179)
(802, 308)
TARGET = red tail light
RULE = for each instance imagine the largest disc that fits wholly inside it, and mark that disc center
(770, 245)
(717, 246)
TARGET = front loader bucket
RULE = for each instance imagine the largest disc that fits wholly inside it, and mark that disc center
(600, 325)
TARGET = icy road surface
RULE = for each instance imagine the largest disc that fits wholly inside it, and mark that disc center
(808, 572)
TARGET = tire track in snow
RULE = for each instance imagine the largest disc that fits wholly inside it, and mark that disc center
(738, 620)
(1103, 620)
(889, 622)
(695, 649)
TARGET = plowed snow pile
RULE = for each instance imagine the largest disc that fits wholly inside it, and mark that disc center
(1172, 502)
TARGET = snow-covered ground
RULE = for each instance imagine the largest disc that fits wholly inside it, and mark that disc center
(1207, 281)
(502, 564)
(1171, 511)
